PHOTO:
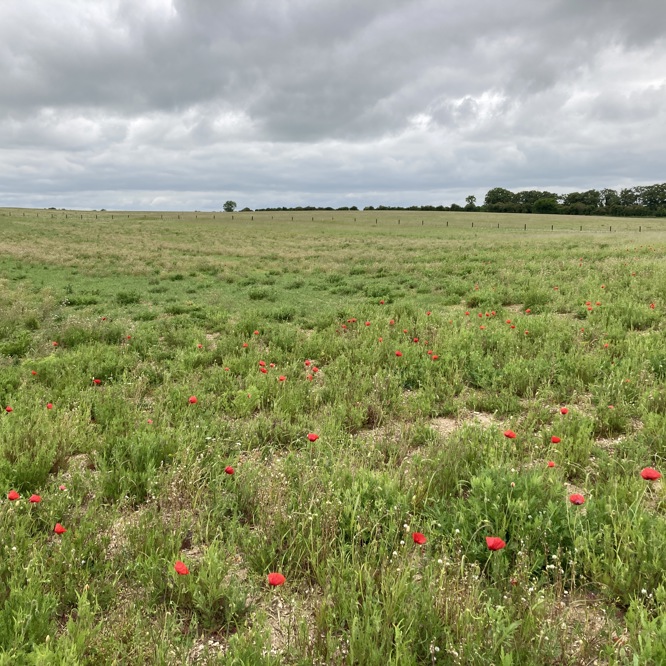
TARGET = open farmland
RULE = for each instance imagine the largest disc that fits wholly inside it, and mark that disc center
(354, 403)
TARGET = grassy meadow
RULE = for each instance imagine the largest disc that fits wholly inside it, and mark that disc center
(353, 400)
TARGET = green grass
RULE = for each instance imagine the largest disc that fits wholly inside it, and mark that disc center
(148, 310)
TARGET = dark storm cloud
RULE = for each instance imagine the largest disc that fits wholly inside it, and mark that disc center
(178, 103)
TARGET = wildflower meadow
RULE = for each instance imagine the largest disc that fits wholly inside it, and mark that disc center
(373, 438)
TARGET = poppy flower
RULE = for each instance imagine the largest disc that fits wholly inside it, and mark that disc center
(262, 363)
(199, 346)
(313, 437)
(49, 405)
(428, 313)
(262, 369)
(435, 357)
(367, 323)
(480, 314)
(611, 407)
(598, 303)
(416, 339)
(381, 302)
(466, 314)
(33, 372)
(35, 499)
(419, 538)
(229, 469)
(256, 332)
(495, 543)
(275, 579)
(392, 322)
(149, 421)
(510, 434)
(527, 332)
(55, 344)
(650, 474)
(551, 463)
(555, 439)
(282, 378)
(62, 486)
(528, 311)
(564, 410)
(193, 400)
(483, 328)
(398, 353)
(12, 495)
(226, 369)
(96, 381)
(315, 368)
(508, 321)
(651, 306)
(513, 326)
(309, 378)
(576, 498)
(307, 363)
(180, 568)
(381, 339)
(59, 529)
(404, 330)
(244, 344)
(9, 409)
(272, 365)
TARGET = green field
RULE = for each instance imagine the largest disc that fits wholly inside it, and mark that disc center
(117, 320)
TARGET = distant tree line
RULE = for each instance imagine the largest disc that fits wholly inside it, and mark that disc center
(639, 201)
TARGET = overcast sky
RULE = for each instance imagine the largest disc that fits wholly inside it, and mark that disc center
(183, 104)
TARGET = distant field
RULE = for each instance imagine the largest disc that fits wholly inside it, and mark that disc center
(412, 345)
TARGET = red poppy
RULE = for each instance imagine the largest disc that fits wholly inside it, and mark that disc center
(245, 344)
(35, 499)
(59, 529)
(262, 363)
(96, 381)
(9, 409)
(611, 406)
(256, 332)
(419, 538)
(555, 439)
(229, 469)
(33, 372)
(466, 314)
(275, 579)
(527, 332)
(495, 543)
(272, 365)
(263, 369)
(309, 378)
(226, 369)
(392, 322)
(528, 311)
(367, 323)
(193, 400)
(199, 346)
(598, 303)
(315, 368)
(62, 486)
(12, 495)
(416, 339)
(381, 302)
(551, 463)
(55, 344)
(313, 437)
(564, 410)
(49, 405)
(483, 328)
(510, 434)
(651, 306)
(508, 321)
(650, 474)
(381, 339)
(513, 326)
(149, 421)
(428, 313)
(404, 330)
(576, 498)
(603, 286)
(180, 568)
(435, 357)
(307, 363)
(398, 353)
(282, 378)
(480, 314)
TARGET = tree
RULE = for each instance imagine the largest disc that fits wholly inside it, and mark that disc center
(229, 206)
